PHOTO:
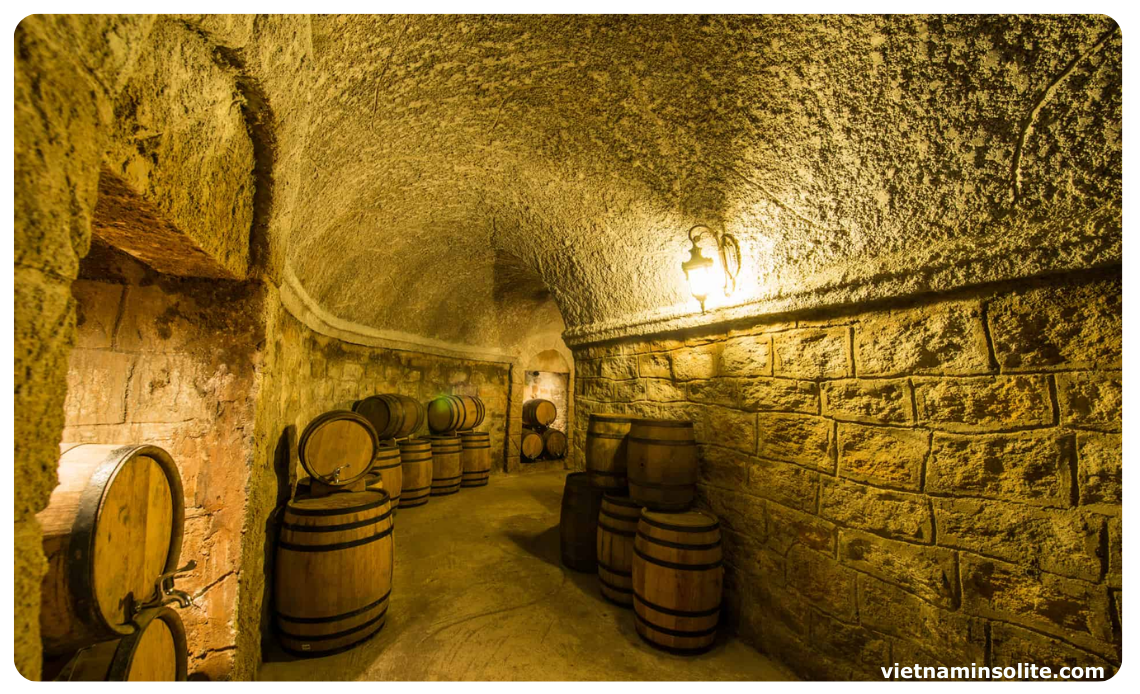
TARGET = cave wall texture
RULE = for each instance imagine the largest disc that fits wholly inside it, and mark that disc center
(937, 482)
(476, 188)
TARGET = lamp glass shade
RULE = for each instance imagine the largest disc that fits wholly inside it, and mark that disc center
(700, 281)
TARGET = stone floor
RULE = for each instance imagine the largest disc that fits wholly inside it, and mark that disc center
(479, 594)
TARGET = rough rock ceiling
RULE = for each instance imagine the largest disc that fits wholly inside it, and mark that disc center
(447, 176)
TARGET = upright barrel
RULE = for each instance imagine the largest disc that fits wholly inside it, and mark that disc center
(617, 526)
(678, 579)
(606, 448)
(476, 457)
(415, 459)
(155, 652)
(338, 447)
(539, 413)
(450, 413)
(334, 574)
(447, 465)
(554, 443)
(388, 464)
(578, 524)
(662, 463)
(112, 526)
(531, 444)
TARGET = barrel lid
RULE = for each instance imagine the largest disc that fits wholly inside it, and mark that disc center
(387, 450)
(622, 500)
(338, 439)
(612, 417)
(679, 423)
(344, 502)
(686, 521)
(444, 437)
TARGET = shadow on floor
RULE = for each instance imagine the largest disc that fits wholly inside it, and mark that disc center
(545, 545)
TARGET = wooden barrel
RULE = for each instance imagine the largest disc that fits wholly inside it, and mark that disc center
(606, 447)
(449, 413)
(476, 457)
(388, 464)
(531, 444)
(412, 424)
(384, 412)
(113, 525)
(662, 463)
(678, 579)
(539, 412)
(578, 524)
(155, 652)
(334, 573)
(447, 465)
(617, 526)
(337, 448)
(415, 459)
(554, 443)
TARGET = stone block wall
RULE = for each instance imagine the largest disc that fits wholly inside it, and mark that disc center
(173, 363)
(937, 482)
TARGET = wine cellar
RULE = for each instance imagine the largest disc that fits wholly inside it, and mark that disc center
(568, 347)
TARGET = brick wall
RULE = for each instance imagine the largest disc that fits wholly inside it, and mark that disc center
(173, 362)
(937, 482)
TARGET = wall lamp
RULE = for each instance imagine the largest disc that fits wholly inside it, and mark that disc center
(699, 269)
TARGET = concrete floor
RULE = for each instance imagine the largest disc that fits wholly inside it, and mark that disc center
(479, 594)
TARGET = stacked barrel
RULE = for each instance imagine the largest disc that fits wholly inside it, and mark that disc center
(652, 551)
(539, 439)
(112, 537)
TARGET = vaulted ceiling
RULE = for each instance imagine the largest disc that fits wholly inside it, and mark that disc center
(465, 179)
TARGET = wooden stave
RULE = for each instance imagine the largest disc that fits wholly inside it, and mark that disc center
(475, 455)
(112, 661)
(392, 473)
(578, 524)
(447, 465)
(416, 461)
(697, 569)
(607, 450)
(323, 418)
(464, 413)
(662, 464)
(617, 526)
(531, 409)
(76, 619)
(370, 534)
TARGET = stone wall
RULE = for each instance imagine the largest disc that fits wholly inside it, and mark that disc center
(173, 363)
(307, 373)
(935, 482)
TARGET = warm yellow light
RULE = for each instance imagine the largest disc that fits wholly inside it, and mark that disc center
(700, 281)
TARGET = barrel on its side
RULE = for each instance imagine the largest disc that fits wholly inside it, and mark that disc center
(112, 526)
(337, 447)
(447, 465)
(415, 459)
(539, 413)
(554, 443)
(155, 652)
(449, 413)
(662, 464)
(531, 444)
(387, 463)
(578, 524)
(678, 579)
(386, 413)
(606, 449)
(334, 575)
(476, 457)
(617, 526)
(414, 419)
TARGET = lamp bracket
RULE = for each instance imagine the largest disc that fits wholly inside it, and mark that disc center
(728, 248)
